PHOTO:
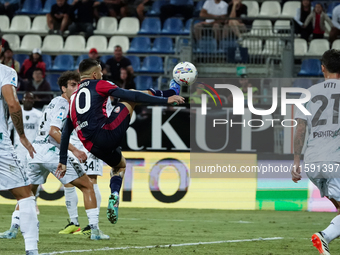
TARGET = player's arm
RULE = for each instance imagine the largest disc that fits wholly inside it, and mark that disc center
(299, 140)
(10, 96)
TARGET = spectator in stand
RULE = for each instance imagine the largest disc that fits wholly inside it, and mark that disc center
(57, 19)
(182, 7)
(335, 31)
(244, 85)
(93, 54)
(38, 83)
(8, 60)
(235, 10)
(319, 18)
(216, 9)
(126, 79)
(4, 43)
(82, 15)
(113, 65)
(301, 15)
(108, 8)
(9, 7)
(133, 8)
(34, 61)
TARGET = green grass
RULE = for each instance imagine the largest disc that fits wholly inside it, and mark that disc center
(143, 227)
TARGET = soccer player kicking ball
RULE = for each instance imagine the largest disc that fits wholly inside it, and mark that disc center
(102, 134)
(13, 176)
(322, 152)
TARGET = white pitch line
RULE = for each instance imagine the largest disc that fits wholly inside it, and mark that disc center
(164, 246)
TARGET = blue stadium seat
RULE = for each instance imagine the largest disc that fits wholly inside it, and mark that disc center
(52, 80)
(20, 58)
(63, 63)
(143, 82)
(182, 2)
(79, 59)
(48, 6)
(48, 61)
(150, 26)
(310, 67)
(31, 7)
(331, 6)
(140, 45)
(163, 45)
(170, 64)
(198, 8)
(173, 26)
(135, 62)
(156, 8)
(227, 43)
(206, 45)
(152, 64)
(105, 58)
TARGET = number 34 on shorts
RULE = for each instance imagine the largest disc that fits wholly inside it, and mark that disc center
(93, 165)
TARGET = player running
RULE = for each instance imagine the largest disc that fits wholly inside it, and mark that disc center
(322, 152)
(12, 175)
(100, 133)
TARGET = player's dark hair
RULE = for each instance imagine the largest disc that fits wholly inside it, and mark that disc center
(66, 76)
(331, 60)
(117, 46)
(38, 69)
(87, 64)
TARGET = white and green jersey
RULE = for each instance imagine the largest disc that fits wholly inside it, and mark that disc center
(8, 76)
(323, 142)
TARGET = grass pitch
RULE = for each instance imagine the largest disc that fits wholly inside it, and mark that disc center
(156, 227)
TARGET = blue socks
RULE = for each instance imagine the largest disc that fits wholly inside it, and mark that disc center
(115, 184)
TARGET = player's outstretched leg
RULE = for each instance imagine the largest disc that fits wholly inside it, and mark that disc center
(320, 243)
(71, 200)
(13, 231)
(117, 175)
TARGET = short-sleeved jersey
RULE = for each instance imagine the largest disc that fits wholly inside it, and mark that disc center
(88, 108)
(8, 76)
(324, 124)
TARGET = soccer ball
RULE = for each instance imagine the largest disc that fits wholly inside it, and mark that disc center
(185, 73)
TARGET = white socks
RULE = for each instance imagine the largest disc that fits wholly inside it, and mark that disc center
(71, 200)
(29, 223)
(98, 196)
(333, 230)
(93, 216)
(15, 219)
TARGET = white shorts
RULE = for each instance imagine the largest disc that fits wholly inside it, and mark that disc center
(93, 165)
(325, 179)
(12, 173)
(38, 172)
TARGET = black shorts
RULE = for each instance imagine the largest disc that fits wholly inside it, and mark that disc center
(109, 137)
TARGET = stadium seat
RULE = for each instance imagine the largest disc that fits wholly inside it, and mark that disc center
(4, 23)
(143, 82)
(273, 47)
(97, 41)
(135, 62)
(21, 58)
(48, 6)
(81, 58)
(39, 25)
(128, 26)
(48, 61)
(52, 43)
(317, 47)
(300, 47)
(254, 46)
(227, 43)
(198, 8)
(253, 8)
(270, 8)
(30, 42)
(63, 63)
(170, 63)
(122, 41)
(282, 27)
(151, 26)
(31, 7)
(302, 83)
(182, 2)
(52, 79)
(74, 43)
(156, 8)
(13, 41)
(173, 26)
(289, 8)
(140, 45)
(152, 64)
(331, 6)
(310, 67)
(336, 44)
(20, 23)
(163, 45)
(261, 28)
(207, 45)
(105, 58)
(106, 25)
